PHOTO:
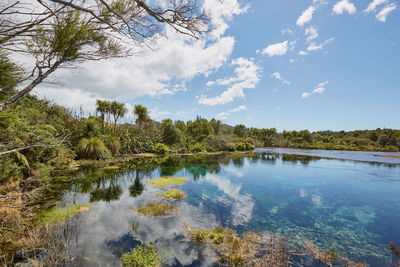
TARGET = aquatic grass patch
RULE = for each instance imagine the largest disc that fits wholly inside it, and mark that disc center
(157, 209)
(142, 256)
(172, 194)
(55, 215)
(250, 249)
(167, 181)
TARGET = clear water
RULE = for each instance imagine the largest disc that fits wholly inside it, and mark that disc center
(350, 207)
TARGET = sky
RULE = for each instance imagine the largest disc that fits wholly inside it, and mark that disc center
(288, 64)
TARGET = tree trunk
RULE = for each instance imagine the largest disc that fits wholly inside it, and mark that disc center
(30, 87)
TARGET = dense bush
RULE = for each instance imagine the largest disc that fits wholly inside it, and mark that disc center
(198, 147)
(112, 143)
(92, 148)
(217, 143)
(161, 149)
(241, 146)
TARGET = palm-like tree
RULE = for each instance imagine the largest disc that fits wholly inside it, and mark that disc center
(103, 107)
(118, 110)
(142, 115)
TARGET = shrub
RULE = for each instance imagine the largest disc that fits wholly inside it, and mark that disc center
(182, 150)
(240, 146)
(142, 256)
(92, 148)
(198, 147)
(161, 149)
(217, 143)
(249, 146)
(112, 143)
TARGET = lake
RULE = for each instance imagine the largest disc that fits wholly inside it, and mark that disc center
(347, 204)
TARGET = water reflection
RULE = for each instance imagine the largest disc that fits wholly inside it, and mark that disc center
(339, 205)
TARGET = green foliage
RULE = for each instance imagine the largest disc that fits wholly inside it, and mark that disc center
(161, 149)
(239, 130)
(112, 143)
(217, 143)
(241, 146)
(10, 74)
(198, 147)
(169, 133)
(92, 148)
(141, 256)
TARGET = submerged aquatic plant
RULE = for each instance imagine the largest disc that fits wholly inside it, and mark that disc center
(142, 256)
(55, 214)
(167, 181)
(172, 194)
(157, 209)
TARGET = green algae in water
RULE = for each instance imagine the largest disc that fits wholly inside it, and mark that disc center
(56, 214)
(142, 256)
(167, 181)
(157, 209)
(172, 194)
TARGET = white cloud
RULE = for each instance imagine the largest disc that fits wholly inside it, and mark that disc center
(246, 77)
(222, 12)
(162, 67)
(289, 31)
(277, 49)
(157, 114)
(306, 16)
(302, 53)
(311, 33)
(381, 16)
(344, 6)
(278, 76)
(291, 60)
(313, 46)
(320, 88)
(372, 6)
(69, 97)
(224, 115)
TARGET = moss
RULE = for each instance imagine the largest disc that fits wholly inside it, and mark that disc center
(157, 209)
(167, 181)
(142, 256)
(172, 194)
(60, 214)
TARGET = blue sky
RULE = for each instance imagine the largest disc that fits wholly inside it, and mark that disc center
(289, 64)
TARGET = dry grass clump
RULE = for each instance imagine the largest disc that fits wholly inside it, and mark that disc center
(157, 209)
(249, 250)
(167, 181)
(172, 194)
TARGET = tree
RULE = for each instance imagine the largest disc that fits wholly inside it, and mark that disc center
(103, 107)
(169, 133)
(142, 118)
(239, 130)
(216, 124)
(57, 33)
(118, 110)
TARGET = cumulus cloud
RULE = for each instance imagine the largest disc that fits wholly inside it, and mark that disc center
(344, 6)
(372, 6)
(313, 46)
(311, 33)
(246, 77)
(306, 16)
(319, 89)
(277, 49)
(381, 16)
(161, 68)
(278, 76)
(222, 12)
(224, 115)
(302, 53)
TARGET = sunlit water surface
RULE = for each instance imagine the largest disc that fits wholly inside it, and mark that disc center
(346, 206)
